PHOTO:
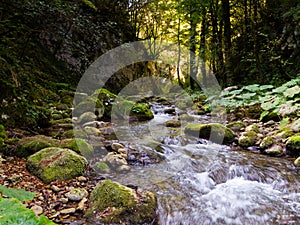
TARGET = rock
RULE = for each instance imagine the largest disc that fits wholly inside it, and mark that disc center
(54, 163)
(86, 117)
(116, 146)
(295, 126)
(76, 194)
(271, 116)
(269, 123)
(82, 179)
(253, 127)
(267, 142)
(141, 112)
(68, 211)
(123, 168)
(247, 139)
(297, 162)
(92, 105)
(123, 152)
(236, 125)
(274, 150)
(81, 204)
(30, 145)
(92, 131)
(102, 167)
(38, 210)
(78, 145)
(293, 146)
(64, 200)
(55, 188)
(186, 117)
(114, 159)
(111, 202)
(212, 131)
(170, 111)
(172, 123)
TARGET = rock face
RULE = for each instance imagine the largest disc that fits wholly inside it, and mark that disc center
(54, 163)
(293, 146)
(213, 131)
(111, 202)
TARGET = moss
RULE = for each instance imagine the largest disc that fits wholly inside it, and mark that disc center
(30, 145)
(106, 98)
(247, 139)
(236, 125)
(293, 146)
(254, 128)
(102, 167)
(116, 203)
(53, 163)
(267, 142)
(173, 123)
(140, 112)
(212, 131)
(78, 145)
(93, 105)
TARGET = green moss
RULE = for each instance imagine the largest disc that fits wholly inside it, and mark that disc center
(102, 167)
(93, 105)
(293, 146)
(78, 145)
(30, 145)
(124, 204)
(247, 139)
(53, 163)
(140, 112)
(3, 134)
(236, 125)
(254, 128)
(267, 142)
(212, 131)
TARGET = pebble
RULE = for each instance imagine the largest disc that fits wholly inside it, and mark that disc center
(81, 204)
(68, 211)
(55, 188)
(116, 146)
(82, 179)
(38, 210)
(64, 200)
(76, 194)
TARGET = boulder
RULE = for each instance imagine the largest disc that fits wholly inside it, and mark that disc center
(267, 142)
(78, 145)
(86, 117)
(55, 163)
(172, 123)
(111, 202)
(76, 194)
(236, 125)
(212, 131)
(274, 150)
(248, 139)
(30, 145)
(141, 112)
(293, 146)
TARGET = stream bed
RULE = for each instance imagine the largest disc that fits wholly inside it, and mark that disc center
(198, 182)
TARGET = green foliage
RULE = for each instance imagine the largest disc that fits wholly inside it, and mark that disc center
(13, 212)
(18, 194)
(283, 100)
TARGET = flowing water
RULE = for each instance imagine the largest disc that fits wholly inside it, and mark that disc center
(199, 182)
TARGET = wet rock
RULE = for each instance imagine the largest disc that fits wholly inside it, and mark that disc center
(81, 204)
(247, 139)
(186, 117)
(123, 168)
(82, 179)
(114, 159)
(54, 163)
(38, 210)
(267, 142)
(253, 127)
(297, 162)
(274, 150)
(293, 146)
(76, 194)
(172, 123)
(86, 117)
(116, 146)
(111, 202)
(295, 126)
(169, 110)
(102, 167)
(141, 112)
(92, 131)
(212, 131)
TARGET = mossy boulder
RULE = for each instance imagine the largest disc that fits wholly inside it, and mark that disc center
(212, 131)
(253, 127)
(236, 125)
(267, 142)
(141, 112)
(172, 123)
(102, 167)
(111, 202)
(293, 146)
(248, 139)
(86, 117)
(91, 104)
(30, 145)
(106, 98)
(78, 145)
(54, 163)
